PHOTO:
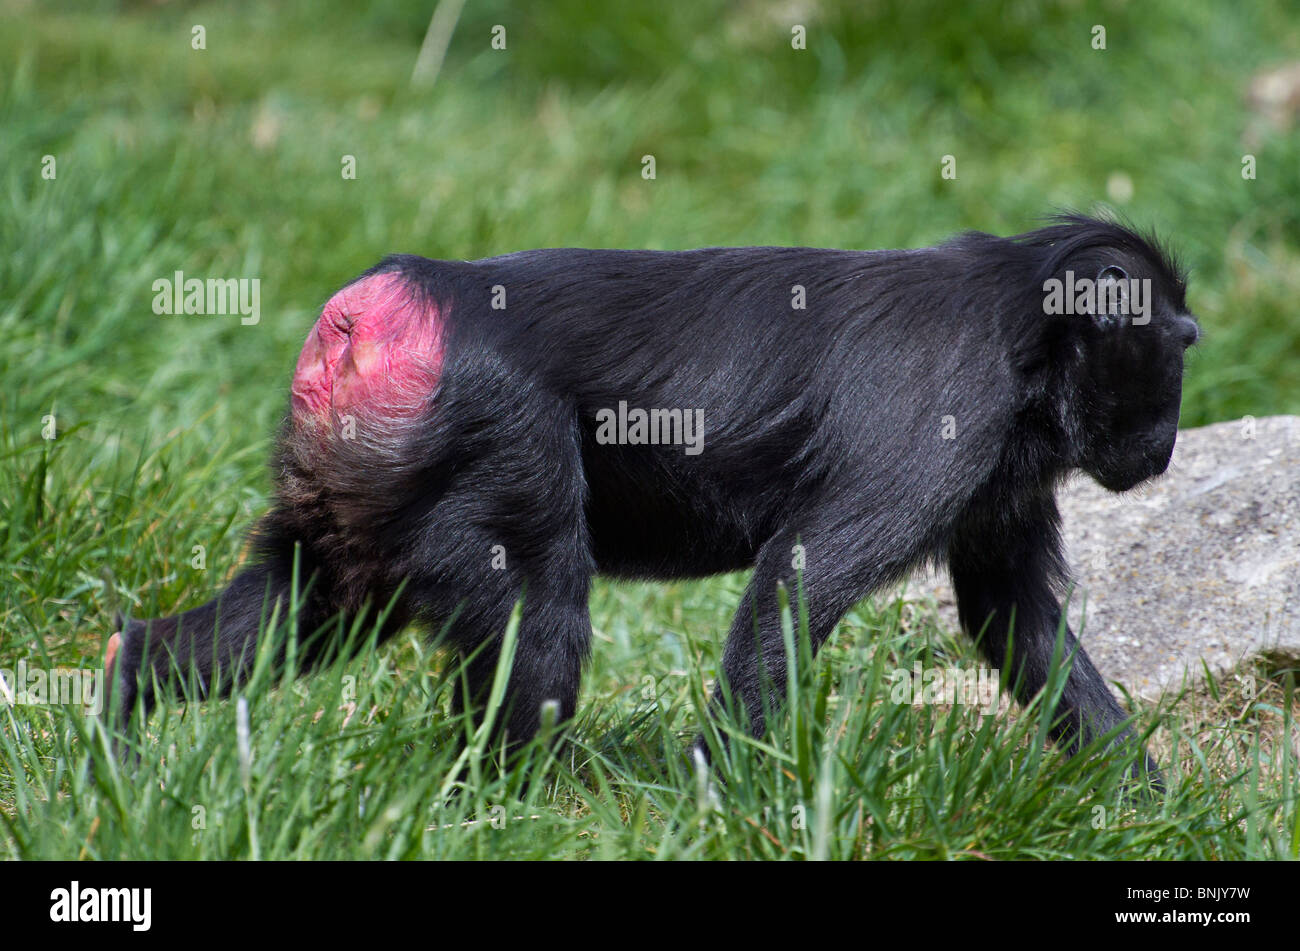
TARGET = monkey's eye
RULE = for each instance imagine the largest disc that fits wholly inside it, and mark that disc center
(1112, 272)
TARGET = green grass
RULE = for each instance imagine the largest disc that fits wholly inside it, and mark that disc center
(365, 759)
(226, 162)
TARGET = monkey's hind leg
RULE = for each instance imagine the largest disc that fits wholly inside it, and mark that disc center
(215, 644)
(510, 525)
(839, 558)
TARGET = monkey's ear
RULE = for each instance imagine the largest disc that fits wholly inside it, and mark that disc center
(1111, 288)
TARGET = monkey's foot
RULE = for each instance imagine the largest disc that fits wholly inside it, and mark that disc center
(114, 645)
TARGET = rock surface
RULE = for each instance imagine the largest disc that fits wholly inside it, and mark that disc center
(1201, 564)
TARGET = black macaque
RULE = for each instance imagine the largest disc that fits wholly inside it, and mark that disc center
(466, 430)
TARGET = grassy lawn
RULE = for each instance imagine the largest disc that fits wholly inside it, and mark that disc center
(228, 161)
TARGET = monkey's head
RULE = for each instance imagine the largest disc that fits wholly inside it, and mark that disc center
(1124, 327)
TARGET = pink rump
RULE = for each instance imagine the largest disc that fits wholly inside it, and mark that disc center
(375, 350)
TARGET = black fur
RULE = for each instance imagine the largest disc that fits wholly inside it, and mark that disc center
(823, 427)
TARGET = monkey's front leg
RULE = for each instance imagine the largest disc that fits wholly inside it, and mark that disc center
(1005, 577)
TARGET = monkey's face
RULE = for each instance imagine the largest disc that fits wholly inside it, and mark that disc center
(1131, 386)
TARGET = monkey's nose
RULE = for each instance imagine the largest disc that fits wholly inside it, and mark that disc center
(1188, 331)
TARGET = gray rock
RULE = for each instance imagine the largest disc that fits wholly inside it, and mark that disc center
(1202, 564)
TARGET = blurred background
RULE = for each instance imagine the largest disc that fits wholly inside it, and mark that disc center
(227, 161)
